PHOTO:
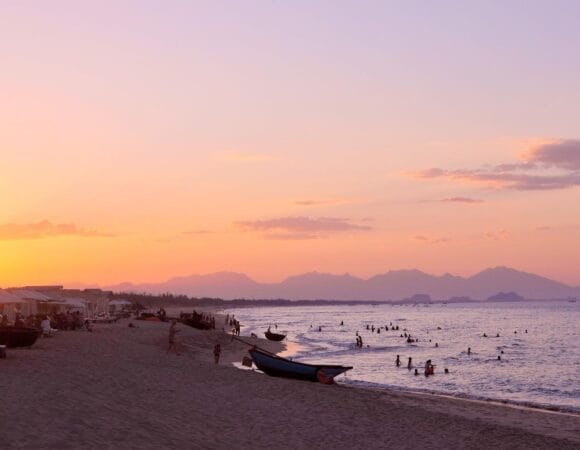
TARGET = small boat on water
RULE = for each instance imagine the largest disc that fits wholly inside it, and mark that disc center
(274, 336)
(277, 366)
(18, 336)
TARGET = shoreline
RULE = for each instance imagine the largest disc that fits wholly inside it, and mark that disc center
(566, 403)
(293, 348)
(117, 387)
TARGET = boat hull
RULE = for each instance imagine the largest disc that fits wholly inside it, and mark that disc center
(274, 336)
(18, 337)
(281, 367)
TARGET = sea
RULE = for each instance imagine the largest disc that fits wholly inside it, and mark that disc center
(538, 343)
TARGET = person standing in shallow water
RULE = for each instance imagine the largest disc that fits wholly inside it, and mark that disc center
(398, 361)
(409, 364)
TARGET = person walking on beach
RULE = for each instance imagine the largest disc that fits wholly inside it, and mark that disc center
(217, 350)
(172, 342)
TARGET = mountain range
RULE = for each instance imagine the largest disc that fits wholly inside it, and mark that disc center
(389, 286)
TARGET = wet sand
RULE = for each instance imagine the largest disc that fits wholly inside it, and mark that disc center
(118, 388)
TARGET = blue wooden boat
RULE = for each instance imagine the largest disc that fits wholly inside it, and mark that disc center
(277, 366)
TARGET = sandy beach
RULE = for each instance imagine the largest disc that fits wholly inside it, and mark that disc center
(117, 388)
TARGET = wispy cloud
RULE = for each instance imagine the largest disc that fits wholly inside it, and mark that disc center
(563, 154)
(430, 240)
(319, 202)
(549, 166)
(544, 228)
(497, 235)
(45, 229)
(461, 200)
(301, 227)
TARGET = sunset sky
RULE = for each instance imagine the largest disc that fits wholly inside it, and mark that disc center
(141, 140)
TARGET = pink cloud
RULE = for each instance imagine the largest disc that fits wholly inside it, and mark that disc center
(322, 201)
(45, 229)
(461, 200)
(429, 240)
(497, 235)
(301, 227)
(563, 155)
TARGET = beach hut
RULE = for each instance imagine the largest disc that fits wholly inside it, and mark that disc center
(10, 304)
(34, 302)
(74, 304)
(119, 305)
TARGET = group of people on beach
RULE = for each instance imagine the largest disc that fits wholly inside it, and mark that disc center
(64, 320)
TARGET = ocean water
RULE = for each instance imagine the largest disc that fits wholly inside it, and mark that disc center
(538, 368)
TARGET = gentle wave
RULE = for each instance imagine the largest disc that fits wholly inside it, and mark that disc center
(537, 368)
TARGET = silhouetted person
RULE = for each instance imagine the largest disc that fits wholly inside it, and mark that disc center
(416, 371)
(436, 344)
(469, 350)
(398, 361)
(428, 368)
(499, 357)
(446, 370)
(409, 363)
(341, 323)
(217, 350)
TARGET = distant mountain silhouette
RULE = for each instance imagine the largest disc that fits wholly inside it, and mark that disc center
(393, 285)
(506, 297)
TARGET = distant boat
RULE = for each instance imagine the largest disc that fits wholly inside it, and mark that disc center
(18, 337)
(274, 336)
(277, 366)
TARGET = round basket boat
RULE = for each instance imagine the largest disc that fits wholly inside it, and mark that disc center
(18, 337)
